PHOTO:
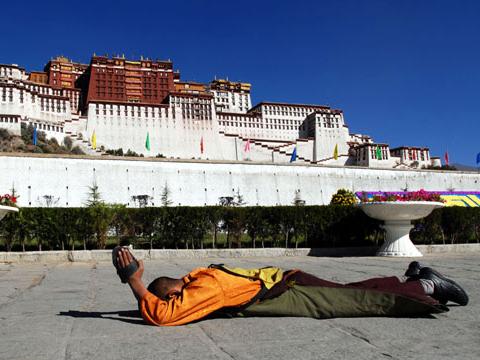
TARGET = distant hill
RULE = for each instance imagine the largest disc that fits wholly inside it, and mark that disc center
(462, 167)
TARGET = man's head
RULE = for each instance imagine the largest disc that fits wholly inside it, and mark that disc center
(164, 287)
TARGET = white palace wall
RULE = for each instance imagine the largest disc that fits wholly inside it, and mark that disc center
(197, 183)
(170, 134)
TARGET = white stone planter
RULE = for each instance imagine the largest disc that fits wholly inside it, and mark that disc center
(4, 210)
(397, 216)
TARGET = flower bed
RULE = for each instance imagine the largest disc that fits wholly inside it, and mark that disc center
(8, 200)
(420, 195)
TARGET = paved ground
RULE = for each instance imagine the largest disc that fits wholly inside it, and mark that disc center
(81, 311)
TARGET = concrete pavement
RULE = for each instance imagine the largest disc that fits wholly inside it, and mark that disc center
(81, 311)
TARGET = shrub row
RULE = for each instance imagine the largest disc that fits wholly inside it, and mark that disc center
(102, 226)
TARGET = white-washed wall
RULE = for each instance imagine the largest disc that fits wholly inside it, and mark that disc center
(202, 183)
(169, 134)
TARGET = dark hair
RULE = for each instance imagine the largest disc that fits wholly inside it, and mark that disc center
(161, 286)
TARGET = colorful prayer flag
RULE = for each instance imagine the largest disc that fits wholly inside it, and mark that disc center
(446, 157)
(94, 140)
(335, 152)
(378, 153)
(201, 145)
(34, 139)
(247, 146)
(147, 142)
(294, 155)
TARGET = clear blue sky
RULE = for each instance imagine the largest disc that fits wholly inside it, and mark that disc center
(405, 72)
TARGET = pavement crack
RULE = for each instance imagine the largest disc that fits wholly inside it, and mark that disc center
(92, 290)
(358, 335)
(37, 280)
(88, 305)
(214, 345)
(66, 354)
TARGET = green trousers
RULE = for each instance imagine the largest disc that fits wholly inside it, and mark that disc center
(322, 302)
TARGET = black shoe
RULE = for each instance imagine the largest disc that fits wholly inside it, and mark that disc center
(444, 289)
(413, 269)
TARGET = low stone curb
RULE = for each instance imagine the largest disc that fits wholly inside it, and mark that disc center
(106, 255)
(451, 248)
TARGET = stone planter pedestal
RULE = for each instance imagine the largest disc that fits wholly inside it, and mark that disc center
(397, 217)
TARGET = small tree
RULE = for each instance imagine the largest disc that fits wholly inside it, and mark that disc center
(9, 227)
(239, 201)
(214, 217)
(101, 216)
(94, 196)
(165, 198)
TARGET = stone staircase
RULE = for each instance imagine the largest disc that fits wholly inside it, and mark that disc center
(283, 149)
(83, 144)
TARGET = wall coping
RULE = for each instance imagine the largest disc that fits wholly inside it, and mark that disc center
(229, 162)
(56, 256)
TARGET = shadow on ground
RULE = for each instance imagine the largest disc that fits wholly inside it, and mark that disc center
(129, 316)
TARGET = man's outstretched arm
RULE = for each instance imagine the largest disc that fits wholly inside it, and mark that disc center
(135, 280)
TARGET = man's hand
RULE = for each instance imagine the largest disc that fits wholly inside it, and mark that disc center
(125, 258)
(135, 280)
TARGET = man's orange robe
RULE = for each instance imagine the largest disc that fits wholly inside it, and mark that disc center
(205, 291)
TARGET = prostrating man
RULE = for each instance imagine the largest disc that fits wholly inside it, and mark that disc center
(272, 292)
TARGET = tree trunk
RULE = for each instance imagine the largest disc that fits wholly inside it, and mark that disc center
(214, 240)
(253, 240)
(23, 244)
(84, 244)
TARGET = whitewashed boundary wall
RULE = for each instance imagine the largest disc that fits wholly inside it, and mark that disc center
(66, 180)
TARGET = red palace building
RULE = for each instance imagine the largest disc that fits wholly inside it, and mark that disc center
(119, 80)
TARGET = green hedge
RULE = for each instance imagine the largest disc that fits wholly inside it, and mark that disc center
(103, 226)
(449, 225)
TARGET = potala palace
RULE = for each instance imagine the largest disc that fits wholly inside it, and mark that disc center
(143, 105)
